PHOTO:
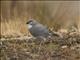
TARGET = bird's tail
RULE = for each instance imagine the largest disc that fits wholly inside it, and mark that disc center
(53, 33)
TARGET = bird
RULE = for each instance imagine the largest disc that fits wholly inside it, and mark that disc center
(38, 30)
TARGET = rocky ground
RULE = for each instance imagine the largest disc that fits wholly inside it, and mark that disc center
(56, 48)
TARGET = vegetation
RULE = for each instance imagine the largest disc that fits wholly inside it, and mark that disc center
(60, 16)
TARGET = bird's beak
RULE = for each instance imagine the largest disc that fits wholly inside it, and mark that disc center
(27, 22)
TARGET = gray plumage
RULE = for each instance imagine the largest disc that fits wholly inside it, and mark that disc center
(37, 29)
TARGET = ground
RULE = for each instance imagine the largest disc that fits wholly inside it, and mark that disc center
(56, 48)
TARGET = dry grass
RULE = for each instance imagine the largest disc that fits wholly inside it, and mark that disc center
(60, 16)
(56, 15)
(67, 48)
(13, 28)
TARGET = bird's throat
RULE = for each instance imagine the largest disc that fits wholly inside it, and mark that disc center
(29, 26)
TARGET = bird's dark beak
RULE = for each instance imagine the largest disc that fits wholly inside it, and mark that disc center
(27, 22)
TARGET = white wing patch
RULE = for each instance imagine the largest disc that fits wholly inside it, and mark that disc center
(29, 26)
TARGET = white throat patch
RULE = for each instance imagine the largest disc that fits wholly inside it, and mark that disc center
(29, 26)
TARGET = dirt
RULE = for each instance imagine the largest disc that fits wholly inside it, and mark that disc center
(66, 48)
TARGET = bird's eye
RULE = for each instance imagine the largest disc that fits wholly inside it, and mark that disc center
(31, 22)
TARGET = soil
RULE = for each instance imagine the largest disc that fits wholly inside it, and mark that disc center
(56, 48)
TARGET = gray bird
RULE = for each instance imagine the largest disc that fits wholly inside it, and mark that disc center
(38, 30)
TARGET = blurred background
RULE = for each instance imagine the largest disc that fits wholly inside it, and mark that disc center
(54, 14)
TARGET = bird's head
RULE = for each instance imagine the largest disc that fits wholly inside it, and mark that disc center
(31, 23)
